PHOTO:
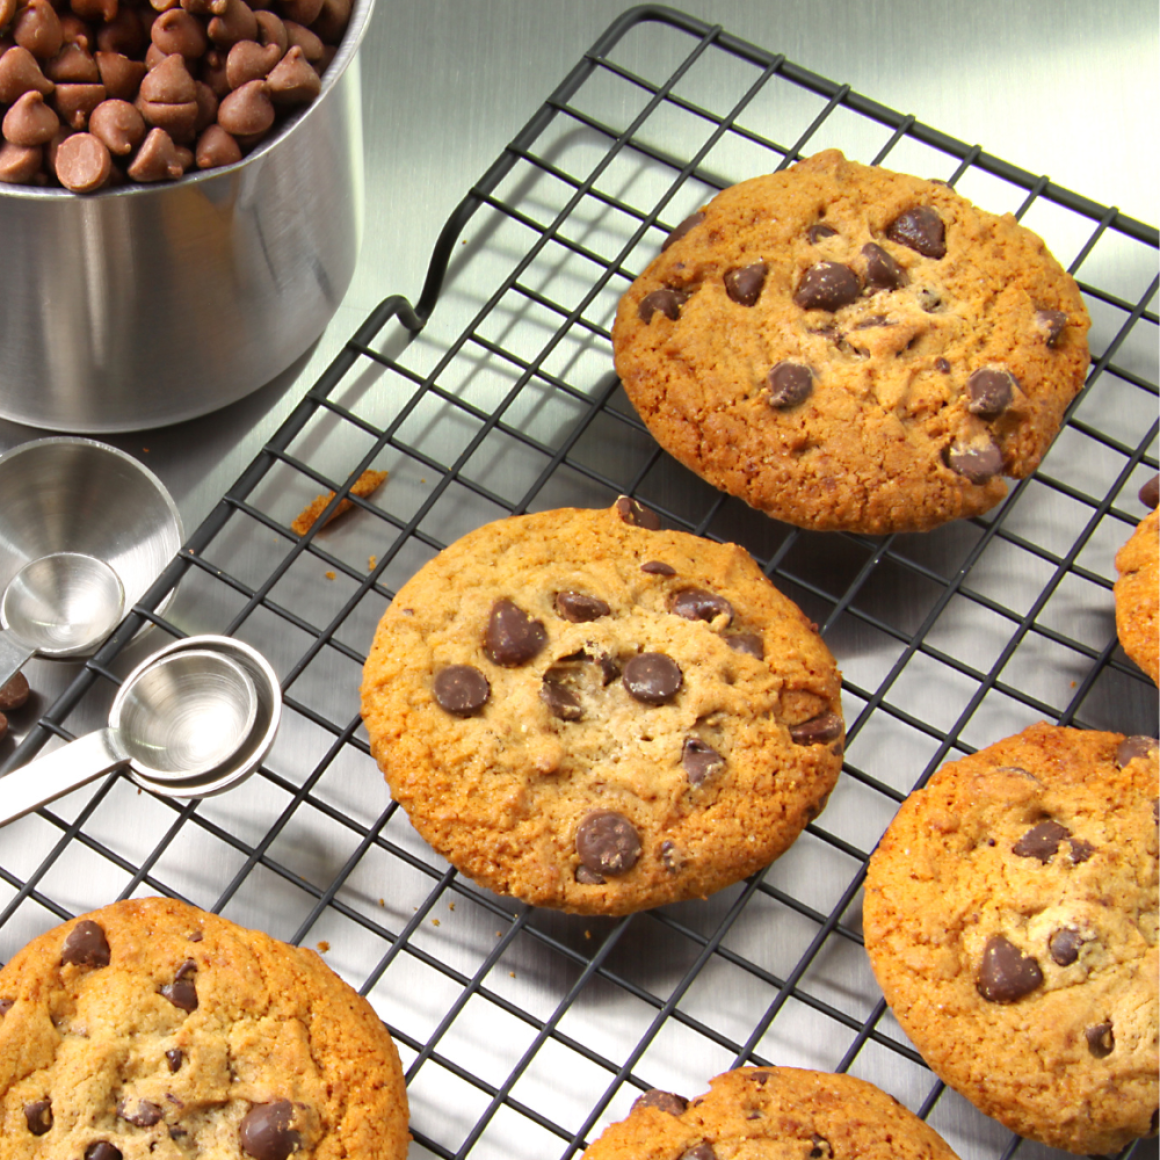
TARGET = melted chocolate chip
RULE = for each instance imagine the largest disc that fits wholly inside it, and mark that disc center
(1134, 747)
(182, 992)
(5, 1006)
(1064, 946)
(699, 760)
(1006, 974)
(513, 638)
(790, 383)
(86, 946)
(1100, 1040)
(266, 1134)
(1081, 851)
(460, 690)
(1150, 492)
(38, 1116)
(942, 366)
(1050, 324)
(672, 858)
(882, 271)
(607, 843)
(702, 1151)
(827, 286)
(691, 222)
(919, 229)
(579, 608)
(699, 604)
(658, 568)
(652, 678)
(142, 1114)
(1041, 841)
(820, 1147)
(977, 463)
(175, 1059)
(818, 231)
(819, 730)
(637, 514)
(744, 285)
(609, 669)
(561, 701)
(103, 1150)
(666, 301)
(663, 1101)
(990, 392)
(587, 877)
(747, 642)
(871, 321)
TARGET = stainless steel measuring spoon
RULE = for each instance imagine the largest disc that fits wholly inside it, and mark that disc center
(58, 605)
(181, 717)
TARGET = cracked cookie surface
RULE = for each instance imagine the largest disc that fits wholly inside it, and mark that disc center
(153, 1029)
(587, 713)
(772, 1113)
(1010, 917)
(1137, 591)
(844, 347)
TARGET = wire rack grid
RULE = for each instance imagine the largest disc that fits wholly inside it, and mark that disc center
(524, 1032)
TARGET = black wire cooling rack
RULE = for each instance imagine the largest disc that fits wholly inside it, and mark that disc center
(524, 1032)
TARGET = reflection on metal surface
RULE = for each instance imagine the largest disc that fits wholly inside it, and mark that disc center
(523, 1032)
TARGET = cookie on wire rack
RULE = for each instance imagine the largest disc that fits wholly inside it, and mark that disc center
(1137, 591)
(1010, 916)
(772, 1113)
(584, 712)
(844, 347)
(153, 1029)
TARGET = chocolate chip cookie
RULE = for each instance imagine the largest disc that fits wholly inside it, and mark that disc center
(772, 1113)
(1010, 918)
(153, 1029)
(1137, 591)
(583, 711)
(848, 348)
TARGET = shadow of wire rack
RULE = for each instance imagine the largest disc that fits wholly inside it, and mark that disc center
(524, 1032)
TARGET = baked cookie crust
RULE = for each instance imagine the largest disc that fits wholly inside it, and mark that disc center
(1137, 591)
(153, 1029)
(844, 347)
(590, 714)
(772, 1113)
(1010, 917)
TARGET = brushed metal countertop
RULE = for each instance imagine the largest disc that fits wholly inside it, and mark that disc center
(1069, 89)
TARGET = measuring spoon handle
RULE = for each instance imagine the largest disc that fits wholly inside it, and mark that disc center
(67, 768)
(14, 655)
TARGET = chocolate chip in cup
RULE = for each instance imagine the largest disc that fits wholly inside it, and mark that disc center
(184, 68)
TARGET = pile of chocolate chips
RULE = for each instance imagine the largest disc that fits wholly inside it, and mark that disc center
(98, 93)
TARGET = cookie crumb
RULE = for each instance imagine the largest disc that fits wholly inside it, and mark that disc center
(372, 562)
(323, 946)
(330, 576)
(434, 922)
(366, 485)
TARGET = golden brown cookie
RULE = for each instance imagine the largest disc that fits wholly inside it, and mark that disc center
(1137, 591)
(772, 1113)
(848, 348)
(1010, 918)
(587, 713)
(151, 1029)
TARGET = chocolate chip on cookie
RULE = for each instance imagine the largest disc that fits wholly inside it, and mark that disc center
(461, 690)
(652, 678)
(85, 946)
(922, 230)
(653, 696)
(832, 370)
(607, 843)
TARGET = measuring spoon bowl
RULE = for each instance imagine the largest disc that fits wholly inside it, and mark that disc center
(180, 716)
(58, 605)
